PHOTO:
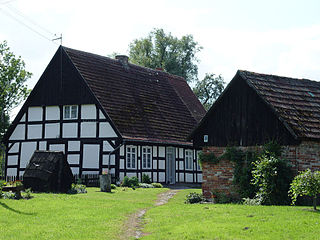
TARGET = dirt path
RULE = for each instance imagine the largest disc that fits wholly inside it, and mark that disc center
(134, 224)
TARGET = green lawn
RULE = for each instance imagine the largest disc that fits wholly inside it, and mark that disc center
(177, 220)
(95, 215)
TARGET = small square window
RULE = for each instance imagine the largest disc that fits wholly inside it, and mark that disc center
(70, 112)
(205, 138)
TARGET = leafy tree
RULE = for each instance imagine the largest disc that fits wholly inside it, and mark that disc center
(12, 84)
(162, 50)
(307, 183)
(209, 89)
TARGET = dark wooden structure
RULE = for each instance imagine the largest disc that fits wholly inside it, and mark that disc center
(48, 171)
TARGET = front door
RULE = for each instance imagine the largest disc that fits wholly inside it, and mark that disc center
(170, 166)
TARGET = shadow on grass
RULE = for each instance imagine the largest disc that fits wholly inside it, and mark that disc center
(311, 210)
(14, 210)
(107, 192)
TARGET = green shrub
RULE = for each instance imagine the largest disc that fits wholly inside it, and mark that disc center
(307, 183)
(77, 188)
(194, 198)
(9, 195)
(221, 197)
(272, 176)
(145, 185)
(157, 185)
(252, 201)
(113, 186)
(27, 193)
(146, 179)
(130, 182)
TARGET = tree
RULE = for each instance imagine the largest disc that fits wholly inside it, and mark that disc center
(162, 50)
(306, 183)
(12, 84)
(209, 89)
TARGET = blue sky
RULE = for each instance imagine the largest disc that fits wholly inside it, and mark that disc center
(275, 37)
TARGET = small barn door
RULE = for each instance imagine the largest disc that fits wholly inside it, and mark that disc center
(170, 166)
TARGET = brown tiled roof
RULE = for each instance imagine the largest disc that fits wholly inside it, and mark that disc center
(295, 101)
(144, 104)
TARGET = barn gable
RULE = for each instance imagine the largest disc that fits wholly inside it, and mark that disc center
(243, 116)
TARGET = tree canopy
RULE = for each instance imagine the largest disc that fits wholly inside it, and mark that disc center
(13, 77)
(162, 50)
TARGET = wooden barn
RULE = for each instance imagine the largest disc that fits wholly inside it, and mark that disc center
(94, 108)
(255, 109)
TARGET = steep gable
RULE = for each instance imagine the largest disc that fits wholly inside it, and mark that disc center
(144, 104)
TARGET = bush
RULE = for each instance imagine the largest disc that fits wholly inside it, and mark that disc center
(145, 185)
(113, 186)
(194, 198)
(9, 195)
(27, 193)
(157, 185)
(146, 179)
(77, 188)
(221, 197)
(307, 183)
(252, 201)
(272, 176)
(130, 182)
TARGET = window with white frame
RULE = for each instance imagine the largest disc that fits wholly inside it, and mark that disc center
(70, 112)
(146, 157)
(131, 157)
(198, 162)
(188, 159)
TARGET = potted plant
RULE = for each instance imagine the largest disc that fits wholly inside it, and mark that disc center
(105, 181)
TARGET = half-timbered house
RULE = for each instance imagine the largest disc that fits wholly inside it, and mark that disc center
(253, 110)
(96, 109)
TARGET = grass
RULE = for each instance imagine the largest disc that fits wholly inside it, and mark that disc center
(177, 220)
(95, 215)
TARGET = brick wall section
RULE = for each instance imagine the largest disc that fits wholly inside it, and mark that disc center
(218, 177)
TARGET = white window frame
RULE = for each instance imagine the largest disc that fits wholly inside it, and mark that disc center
(146, 157)
(68, 115)
(188, 159)
(199, 168)
(131, 157)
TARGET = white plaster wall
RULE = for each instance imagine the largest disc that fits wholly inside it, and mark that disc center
(14, 148)
(90, 172)
(75, 170)
(177, 164)
(121, 176)
(52, 113)
(105, 130)
(73, 158)
(105, 159)
(11, 172)
(131, 174)
(34, 131)
(88, 129)
(91, 155)
(154, 177)
(107, 147)
(177, 177)
(189, 177)
(74, 146)
(154, 151)
(121, 164)
(34, 114)
(88, 111)
(155, 164)
(12, 160)
(181, 177)
(21, 173)
(139, 153)
(199, 177)
(27, 149)
(57, 147)
(18, 133)
(43, 145)
(181, 165)
(162, 177)
(180, 152)
(162, 164)
(23, 119)
(162, 151)
(70, 130)
(121, 150)
(101, 115)
(52, 130)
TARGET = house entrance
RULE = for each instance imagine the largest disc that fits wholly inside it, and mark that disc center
(170, 166)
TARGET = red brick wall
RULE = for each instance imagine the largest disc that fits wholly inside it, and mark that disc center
(218, 177)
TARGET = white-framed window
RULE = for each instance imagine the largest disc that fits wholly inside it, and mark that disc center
(198, 162)
(188, 158)
(146, 157)
(131, 157)
(70, 112)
